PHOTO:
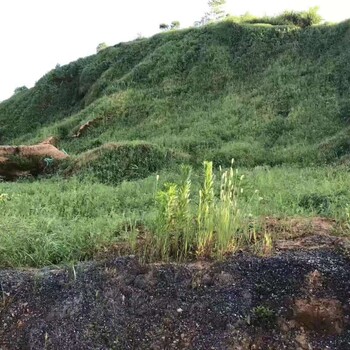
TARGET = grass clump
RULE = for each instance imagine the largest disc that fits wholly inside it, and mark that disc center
(213, 227)
(318, 202)
(263, 316)
(4, 197)
(173, 232)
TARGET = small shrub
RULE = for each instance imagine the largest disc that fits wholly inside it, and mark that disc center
(263, 316)
(20, 89)
(301, 19)
(63, 131)
(101, 46)
(112, 163)
(4, 197)
(164, 26)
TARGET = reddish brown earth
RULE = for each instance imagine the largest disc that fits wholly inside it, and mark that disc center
(17, 161)
(295, 299)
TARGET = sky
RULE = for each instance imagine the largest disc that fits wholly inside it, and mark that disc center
(35, 35)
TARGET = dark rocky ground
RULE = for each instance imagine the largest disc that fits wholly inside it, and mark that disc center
(295, 299)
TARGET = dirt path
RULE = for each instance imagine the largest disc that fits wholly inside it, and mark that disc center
(297, 299)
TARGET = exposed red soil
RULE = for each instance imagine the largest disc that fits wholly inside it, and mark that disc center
(16, 161)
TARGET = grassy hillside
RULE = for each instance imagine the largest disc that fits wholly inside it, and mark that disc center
(275, 98)
(259, 93)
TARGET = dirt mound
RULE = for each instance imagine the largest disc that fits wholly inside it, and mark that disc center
(17, 161)
(293, 300)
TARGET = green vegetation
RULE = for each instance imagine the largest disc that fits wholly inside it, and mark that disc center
(263, 316)
(249, 92)
(114, 162)
(214, 226)
(273, 96)
(52, 221)
(301, 19)
(20, 89)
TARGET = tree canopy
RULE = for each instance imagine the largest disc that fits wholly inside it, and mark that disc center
(101, 47)
(216, 12)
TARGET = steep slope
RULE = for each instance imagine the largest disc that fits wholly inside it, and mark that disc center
(261, 94)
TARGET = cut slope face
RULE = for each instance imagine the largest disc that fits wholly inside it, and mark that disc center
(263, 95)
(27, 160)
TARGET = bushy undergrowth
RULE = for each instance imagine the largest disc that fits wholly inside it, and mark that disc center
(27, 166)
(113, 163)
(301, 19)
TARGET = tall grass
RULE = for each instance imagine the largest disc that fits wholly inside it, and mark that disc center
(173, 235)
(205, 216)
(215, 226)
(55, 221)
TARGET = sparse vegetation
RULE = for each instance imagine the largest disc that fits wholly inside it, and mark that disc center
(263, 316)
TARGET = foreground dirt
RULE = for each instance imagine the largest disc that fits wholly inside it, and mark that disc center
(296, 299)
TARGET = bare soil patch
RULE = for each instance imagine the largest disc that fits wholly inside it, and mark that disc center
(295, 299)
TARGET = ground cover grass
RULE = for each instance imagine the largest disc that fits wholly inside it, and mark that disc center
(52, 221)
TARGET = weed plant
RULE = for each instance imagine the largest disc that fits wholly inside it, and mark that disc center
(215, 226)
